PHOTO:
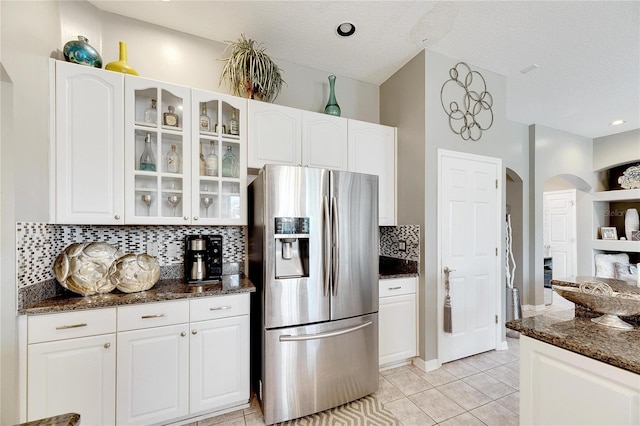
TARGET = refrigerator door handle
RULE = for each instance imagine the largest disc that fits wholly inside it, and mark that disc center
(303, 337)
(326, 245)
(335, 258)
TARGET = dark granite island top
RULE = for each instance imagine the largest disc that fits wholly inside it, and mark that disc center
(573, 330)
(164, 290)
(69, 419)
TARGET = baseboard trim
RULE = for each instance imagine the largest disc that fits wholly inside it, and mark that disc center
(533, 307)
(426, 366)
(503, 346)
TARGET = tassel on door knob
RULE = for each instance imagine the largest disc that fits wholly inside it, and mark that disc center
(447, 322)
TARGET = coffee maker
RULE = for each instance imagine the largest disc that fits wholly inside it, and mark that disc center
(202, 258)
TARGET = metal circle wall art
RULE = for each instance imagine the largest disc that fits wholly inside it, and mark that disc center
(469, 102)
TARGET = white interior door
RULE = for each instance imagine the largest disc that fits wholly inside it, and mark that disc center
(469, 223)
(560, 231)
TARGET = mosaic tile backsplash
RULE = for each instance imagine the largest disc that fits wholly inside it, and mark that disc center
(38, 244)
(391, 236)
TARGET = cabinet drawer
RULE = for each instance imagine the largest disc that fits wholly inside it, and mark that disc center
(397, 286)
(69, 325)
(219, 307)
(152, 315)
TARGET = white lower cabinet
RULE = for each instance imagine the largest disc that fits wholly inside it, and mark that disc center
(219, 378)
(397, 327)
(153, 375)
(560, 387)
(175, 360)
(72, 366)
(75, 375)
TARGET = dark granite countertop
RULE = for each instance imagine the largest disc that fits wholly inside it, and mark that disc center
(391, 267)
(171, 289)
(573, 330)
(68, 419)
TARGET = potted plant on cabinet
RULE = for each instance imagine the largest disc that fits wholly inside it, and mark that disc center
(250, 71)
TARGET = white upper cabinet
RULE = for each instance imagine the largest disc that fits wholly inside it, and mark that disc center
(289, 136)
(157, 191)
(372, 150)
(87, 149)
(274, 134)
(219, 159)
(324, 141)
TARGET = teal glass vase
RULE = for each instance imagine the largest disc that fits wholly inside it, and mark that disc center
(332, 107)
(81, 52)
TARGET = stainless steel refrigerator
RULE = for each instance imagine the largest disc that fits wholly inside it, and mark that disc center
(313, 257)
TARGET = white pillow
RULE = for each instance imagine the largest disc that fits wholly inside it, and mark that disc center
(605, 267)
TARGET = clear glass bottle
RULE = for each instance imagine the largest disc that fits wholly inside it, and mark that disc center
(170, 117)
(212, 161)
(205, 122)
(203, 163)
(229, 164)
(173, 160)
(151, 113)
(147, 159)
(233, 123)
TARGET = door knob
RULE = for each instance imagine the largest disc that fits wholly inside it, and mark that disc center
(446, 270)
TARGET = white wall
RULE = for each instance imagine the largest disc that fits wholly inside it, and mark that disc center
(617, 149)
(162, 54)
(557, 153)
(423, 128)
(33, 31)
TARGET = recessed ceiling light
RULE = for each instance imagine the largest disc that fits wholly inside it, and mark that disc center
(346, 29)
(616, 122)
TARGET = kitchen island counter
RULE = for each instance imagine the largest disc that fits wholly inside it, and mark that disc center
(164, 290)
(573, 330)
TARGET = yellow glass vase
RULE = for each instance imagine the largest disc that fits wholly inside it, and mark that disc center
(121, 65)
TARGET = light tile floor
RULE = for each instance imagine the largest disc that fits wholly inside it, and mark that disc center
(479, 390)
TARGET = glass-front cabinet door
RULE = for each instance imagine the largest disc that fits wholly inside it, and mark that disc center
(218, 159)
(157, 152)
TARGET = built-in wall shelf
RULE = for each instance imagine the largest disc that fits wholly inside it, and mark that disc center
(617, 245)
(617, 195)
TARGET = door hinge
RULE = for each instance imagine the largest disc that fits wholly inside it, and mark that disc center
(496, 319)
(496, 183)
(496, 251)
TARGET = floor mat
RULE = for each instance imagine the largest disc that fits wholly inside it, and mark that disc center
(367, 411)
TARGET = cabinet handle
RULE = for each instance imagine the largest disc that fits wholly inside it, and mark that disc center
(194, 332)
(117, 217)
(107, 345)
(221, 308)
(65, 327)
(153, 316)
(183, 334)
(394, 288)
(195, 218)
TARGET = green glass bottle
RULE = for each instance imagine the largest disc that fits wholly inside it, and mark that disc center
(229, 164)
(332, 107)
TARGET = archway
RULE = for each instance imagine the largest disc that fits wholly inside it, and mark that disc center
(563, 218)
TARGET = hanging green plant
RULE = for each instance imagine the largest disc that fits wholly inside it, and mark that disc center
(249, 71)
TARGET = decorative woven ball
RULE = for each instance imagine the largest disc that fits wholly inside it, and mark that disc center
(134, 272)
(83, 267)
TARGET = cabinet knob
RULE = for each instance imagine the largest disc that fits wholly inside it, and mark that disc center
(116, 217)
(186, 217)
(195, 218)
(194, 332)
(107, 345)
(183, 334)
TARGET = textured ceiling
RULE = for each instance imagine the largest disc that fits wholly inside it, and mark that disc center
(588, 52)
